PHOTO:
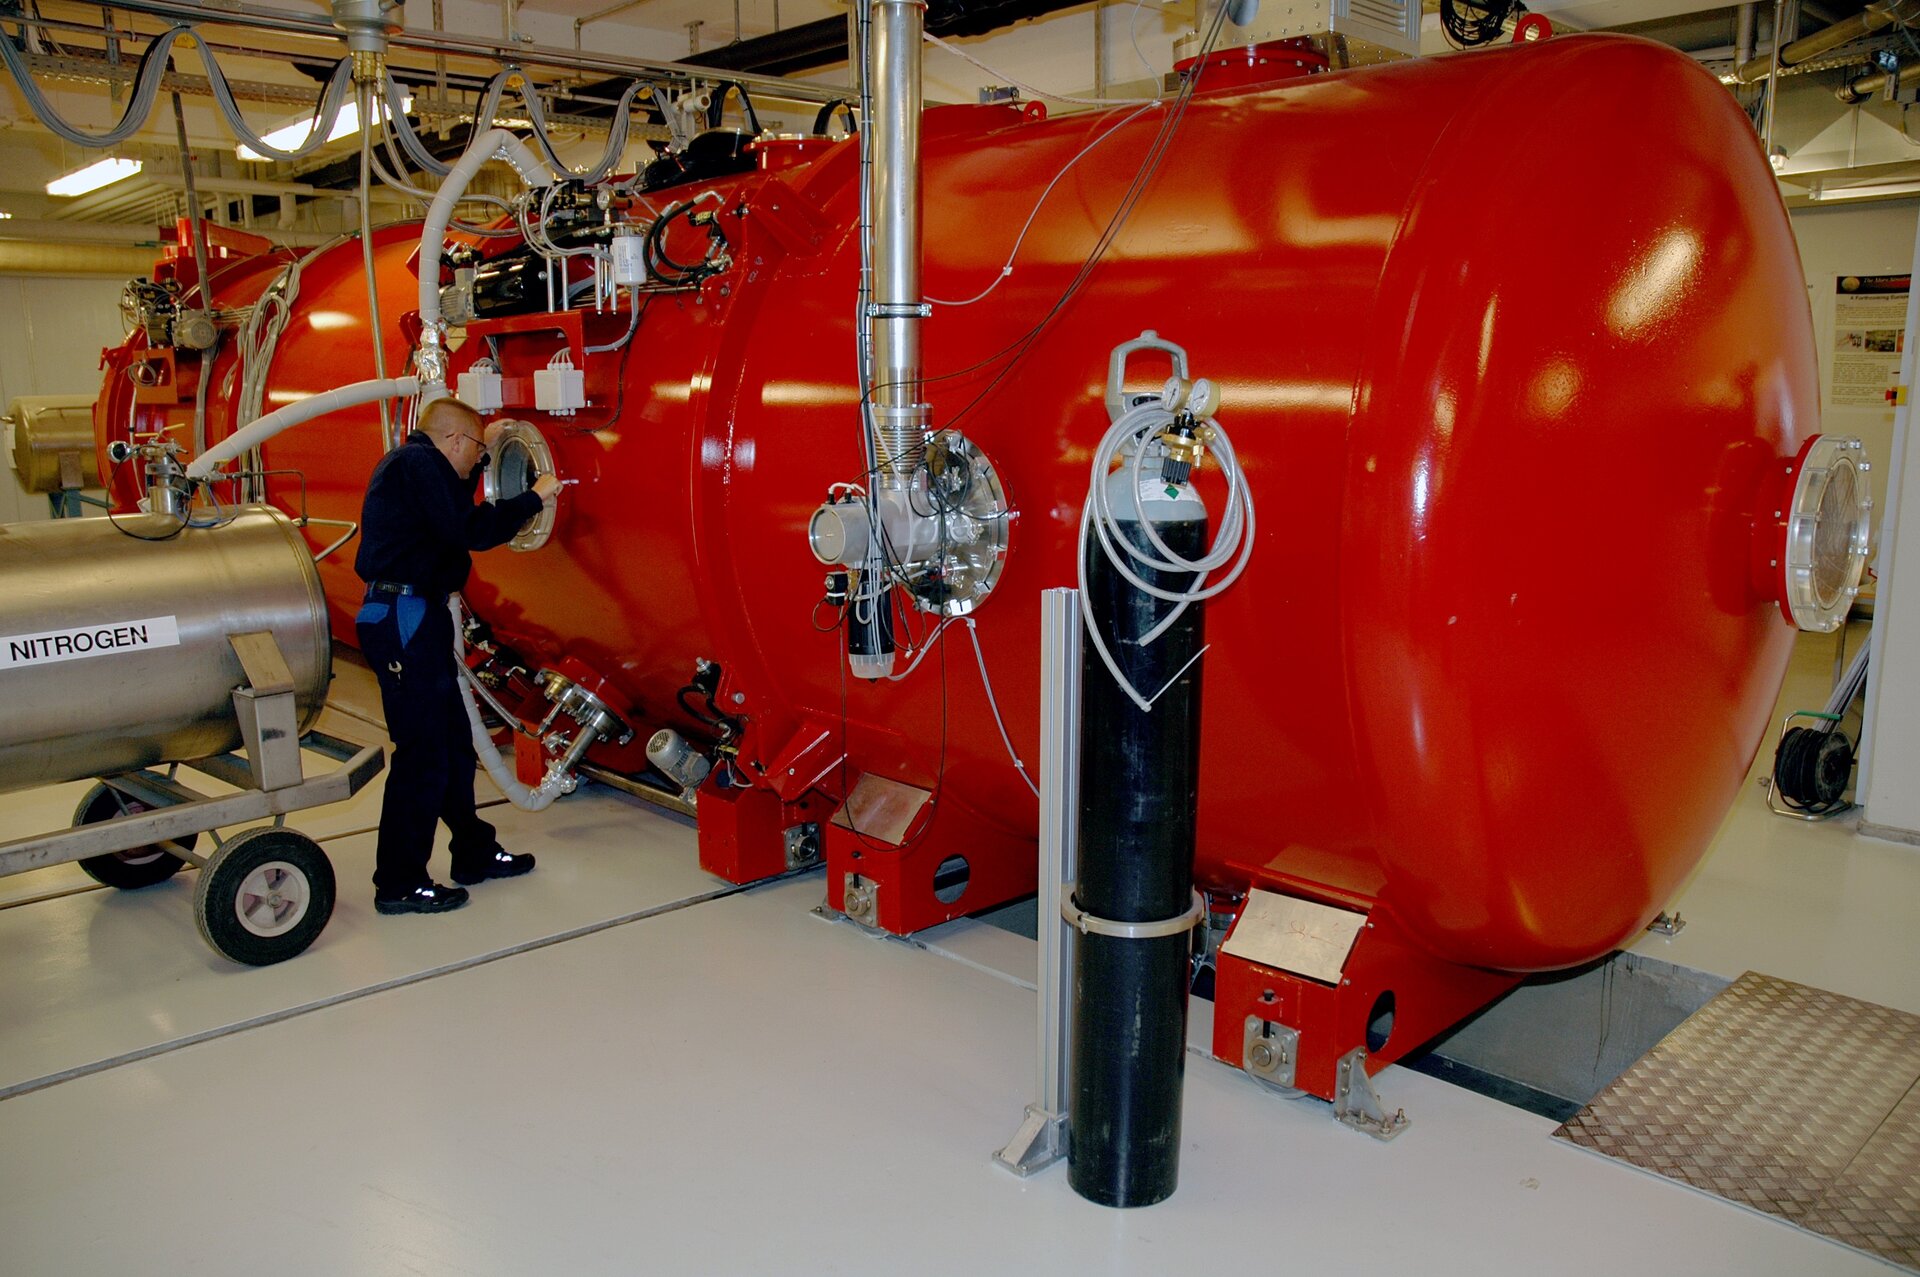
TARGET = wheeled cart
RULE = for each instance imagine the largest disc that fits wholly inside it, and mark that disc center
(265, 892)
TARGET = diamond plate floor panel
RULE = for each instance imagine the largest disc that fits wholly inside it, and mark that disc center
(1785, 1099)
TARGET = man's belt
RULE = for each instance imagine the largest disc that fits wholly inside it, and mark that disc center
(394, 587)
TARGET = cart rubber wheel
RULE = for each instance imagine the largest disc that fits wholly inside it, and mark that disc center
(264, 896)
(139, 867)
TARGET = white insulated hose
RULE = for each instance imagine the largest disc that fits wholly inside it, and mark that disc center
(431, 383)
(264, 428)
(552, 786)
(494, 144)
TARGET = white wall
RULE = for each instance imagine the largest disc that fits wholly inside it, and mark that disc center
(1892, 732)
(1878, 239)
(1854, 239)
(54, 331)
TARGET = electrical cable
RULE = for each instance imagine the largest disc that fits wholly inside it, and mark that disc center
(113, 481)
(363, 101)
(1133, 35)
(1006, 268)
(676, 274)
(1003, 78)
(146, 88)
(484, 114)
(1016, 350)
(925, 647)
(986, 685)
(633, 325)
(425, 196)
(1143, 178)
(616, 134)
(257, 340)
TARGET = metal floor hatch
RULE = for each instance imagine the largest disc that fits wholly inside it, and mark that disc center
(1790, 1100)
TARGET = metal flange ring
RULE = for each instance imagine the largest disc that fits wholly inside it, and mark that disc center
(1088, 925)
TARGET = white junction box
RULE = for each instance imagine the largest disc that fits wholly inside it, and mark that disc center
(560, 388)
(480, 387)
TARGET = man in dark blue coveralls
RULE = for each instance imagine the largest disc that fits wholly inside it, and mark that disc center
(418, 526)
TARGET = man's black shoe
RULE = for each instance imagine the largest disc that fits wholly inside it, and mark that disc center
(429, 897)
(496, 864)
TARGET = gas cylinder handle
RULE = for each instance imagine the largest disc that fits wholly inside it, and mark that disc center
(1117, 367)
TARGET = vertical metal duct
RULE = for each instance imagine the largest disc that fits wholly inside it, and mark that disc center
(896, 309)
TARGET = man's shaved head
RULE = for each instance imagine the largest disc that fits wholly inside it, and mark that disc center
(446, 417)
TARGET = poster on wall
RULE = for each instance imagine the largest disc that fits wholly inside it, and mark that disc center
(1869, 334)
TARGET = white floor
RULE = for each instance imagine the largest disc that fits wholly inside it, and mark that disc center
(615, 1065)
(1813, 903)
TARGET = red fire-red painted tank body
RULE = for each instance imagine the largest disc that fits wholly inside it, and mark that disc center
(1510, 345)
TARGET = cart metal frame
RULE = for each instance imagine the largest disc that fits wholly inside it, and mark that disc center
(271, 777)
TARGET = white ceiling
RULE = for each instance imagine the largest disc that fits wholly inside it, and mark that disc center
(1053, 53)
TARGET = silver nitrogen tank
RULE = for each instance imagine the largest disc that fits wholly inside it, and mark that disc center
(114, 651)
(53, 442)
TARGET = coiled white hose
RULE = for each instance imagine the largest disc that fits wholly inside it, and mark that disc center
(1232, 544)
(537, 798)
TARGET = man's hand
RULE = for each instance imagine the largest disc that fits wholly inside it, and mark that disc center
(490, 435)
(545, 487)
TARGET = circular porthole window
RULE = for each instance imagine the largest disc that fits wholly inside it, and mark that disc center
(519, 456)
(1827, 525)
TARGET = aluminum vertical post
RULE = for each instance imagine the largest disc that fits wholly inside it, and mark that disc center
(1042, 1137)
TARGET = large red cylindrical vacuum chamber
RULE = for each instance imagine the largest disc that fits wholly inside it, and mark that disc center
(1514, 346)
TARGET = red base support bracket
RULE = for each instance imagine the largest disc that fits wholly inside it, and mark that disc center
(1317, 998)
(747, 835)
(900, 863)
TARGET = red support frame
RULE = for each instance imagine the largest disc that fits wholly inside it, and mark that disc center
(1428, 996)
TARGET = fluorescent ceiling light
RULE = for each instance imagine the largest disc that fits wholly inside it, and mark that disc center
(93, 177)
(1866, 192)
(288, 136)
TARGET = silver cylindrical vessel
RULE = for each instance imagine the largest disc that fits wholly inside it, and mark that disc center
(53, 442)
(114, 651)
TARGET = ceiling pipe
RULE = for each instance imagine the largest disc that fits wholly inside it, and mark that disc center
(1877, 16)
(41, 258)
(1863, 87)
(213, 185)
(442, 42)
(80, 67)
(816, 44)
(151, 235)
(822, 43)
(33, 229)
